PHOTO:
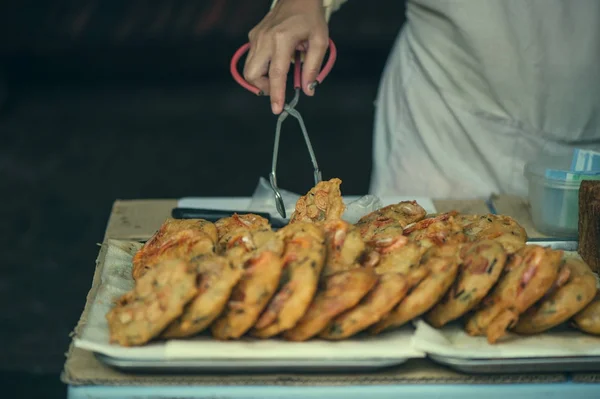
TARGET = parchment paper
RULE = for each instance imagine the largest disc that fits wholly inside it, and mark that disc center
(116, 280)
(451, 340)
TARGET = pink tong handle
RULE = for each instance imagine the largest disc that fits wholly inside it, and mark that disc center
(297, 70)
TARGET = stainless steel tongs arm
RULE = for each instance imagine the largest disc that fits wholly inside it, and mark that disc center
(313, 158)
(290, 110)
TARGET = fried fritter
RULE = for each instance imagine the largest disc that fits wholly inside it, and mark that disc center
(217, 276)
(157, 299)
(344, 246)
(340, 291)
(588, 320)
(238, 233)
(403, 213)
(247, 221)
(175, 239)
(481, 266)
(390, 289)
(436, 230)
(530, 273)
(323, 202)
(303, 260)
(502, 229)
(573, 290)
(442, 263)
(252, 293)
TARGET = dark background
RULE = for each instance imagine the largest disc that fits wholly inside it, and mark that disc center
(102, 100)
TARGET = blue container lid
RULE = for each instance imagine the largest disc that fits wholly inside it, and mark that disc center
(558, 169)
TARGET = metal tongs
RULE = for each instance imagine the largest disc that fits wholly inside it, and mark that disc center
(288, 109)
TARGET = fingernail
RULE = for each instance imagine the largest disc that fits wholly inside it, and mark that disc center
(275, 108)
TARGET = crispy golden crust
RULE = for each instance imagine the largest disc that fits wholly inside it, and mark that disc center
(588, 320)
(323, 202)
(247, 221)
(238, 244)
(395, 252)
(573, 290)
(390, 289)
(249, 297)
(481, 266)
(261, 274)
(238, 233)
(401, 259)
(384, 227)
(530, 273)
(442, 263)
(260, 260)
(340, 291)
(403, 213)
(503, 229)
(436, 230)
(158, 297)
(344, 246)
(174, 240)
(321, 276)
(303, 261)
(217, 276)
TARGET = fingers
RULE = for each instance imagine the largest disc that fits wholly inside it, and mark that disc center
(317, 47)
(257, 63)
(284, 46)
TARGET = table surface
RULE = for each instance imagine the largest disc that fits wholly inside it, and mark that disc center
(125, 224)
(447, 391)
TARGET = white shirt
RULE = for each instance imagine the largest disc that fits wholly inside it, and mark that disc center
(474, 89)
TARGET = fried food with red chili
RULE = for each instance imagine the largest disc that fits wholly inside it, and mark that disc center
(436, 230)
(403, 213)
(249, 221)
(481, 266)
(530, 273)
(503, 229)
(442, 263)
(345, 247)
(158, 298)
(323, 202)
(257, 285)
(339, 292)
(175, 239)
(573, 290)
(237, 231)
(303, 260)
(588, 320)
(217, 276)
(390, 289)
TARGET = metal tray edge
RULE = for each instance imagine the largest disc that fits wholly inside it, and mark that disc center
(520, 365)
(254, 365)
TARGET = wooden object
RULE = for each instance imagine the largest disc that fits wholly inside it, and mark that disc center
(589, 223)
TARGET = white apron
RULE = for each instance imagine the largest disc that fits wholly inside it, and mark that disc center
(474, 89)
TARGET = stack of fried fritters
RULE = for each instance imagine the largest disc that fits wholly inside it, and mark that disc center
(322, 277)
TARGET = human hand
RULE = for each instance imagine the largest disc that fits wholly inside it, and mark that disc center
(291, 25)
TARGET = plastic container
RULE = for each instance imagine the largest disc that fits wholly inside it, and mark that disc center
(554, 195)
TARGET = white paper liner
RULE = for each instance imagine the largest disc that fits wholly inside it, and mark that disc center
(453, 341)
(116, 280)
(262, 200)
